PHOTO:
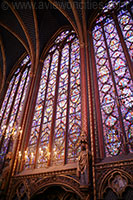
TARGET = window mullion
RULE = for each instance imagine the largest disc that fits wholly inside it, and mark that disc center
(26, 139)
(128, 59)
(97, 99)
(21, 95)
(68, 99)
(7, 100)
(116, 93)
(21, 99)
(26, 79)
(8, 118)
(15, 120)
(41, 124)
(54, 108)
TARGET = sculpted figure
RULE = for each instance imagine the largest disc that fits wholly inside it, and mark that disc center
(83, 161)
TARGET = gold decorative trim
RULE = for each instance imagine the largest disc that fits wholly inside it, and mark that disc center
(114, 164)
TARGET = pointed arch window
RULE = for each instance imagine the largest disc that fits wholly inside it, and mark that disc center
(113, 52)
(55, 131)
(12, 106)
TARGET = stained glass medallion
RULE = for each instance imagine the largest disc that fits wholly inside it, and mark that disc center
(114, 79)
(6, 97)
(13, 105)
(126, 25)
(114, 142)
(58, 96)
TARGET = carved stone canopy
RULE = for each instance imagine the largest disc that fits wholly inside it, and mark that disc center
(83, 138)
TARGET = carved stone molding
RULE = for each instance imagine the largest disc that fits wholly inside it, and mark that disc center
(104, 168)
(38, 183)
(114, 175)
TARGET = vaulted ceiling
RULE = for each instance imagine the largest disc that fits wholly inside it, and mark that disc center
(29, 25)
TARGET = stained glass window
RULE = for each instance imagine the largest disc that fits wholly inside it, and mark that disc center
(112, 37)
(126, 24)
(12, 106)
(55, 131)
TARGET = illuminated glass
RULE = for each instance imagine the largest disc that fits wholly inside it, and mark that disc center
(114, 79)
(12, 107)
(57, 114)
(126, 24)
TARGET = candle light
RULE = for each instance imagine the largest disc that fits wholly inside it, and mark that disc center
(20, 154)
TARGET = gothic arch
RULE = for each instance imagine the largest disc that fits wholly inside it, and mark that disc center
(108, 182)
(50, 43)
(20, 190)
(67, 44)
(31, 186)
(61, 180)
